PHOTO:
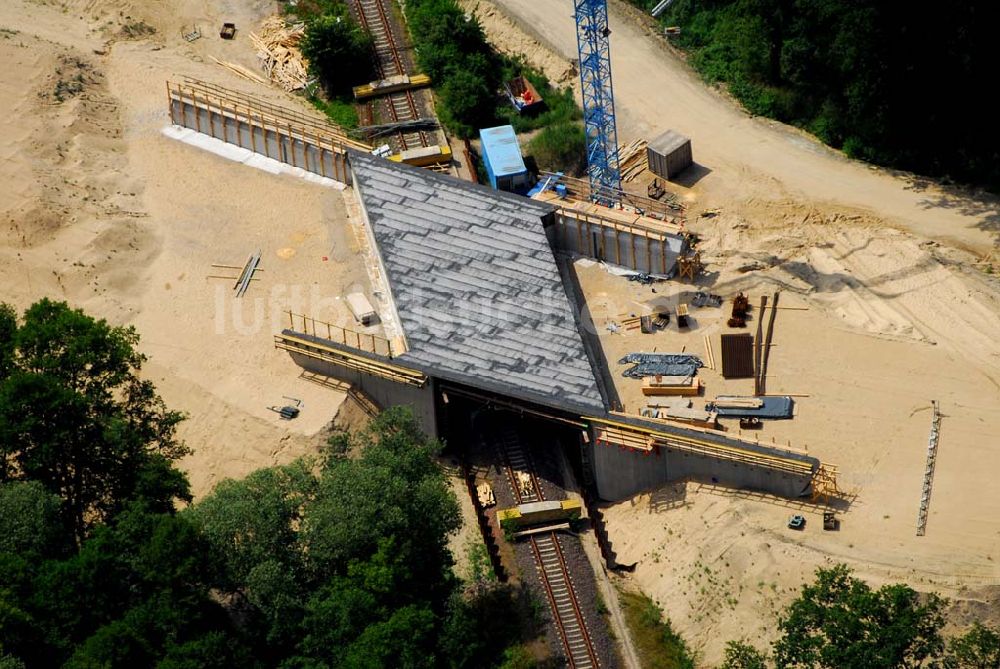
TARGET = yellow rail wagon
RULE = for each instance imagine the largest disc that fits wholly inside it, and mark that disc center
(424, 156)
(540, 513)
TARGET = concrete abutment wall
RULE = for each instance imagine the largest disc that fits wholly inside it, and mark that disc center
(621, 472)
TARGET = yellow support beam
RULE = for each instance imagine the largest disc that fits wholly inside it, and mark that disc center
(349, 360)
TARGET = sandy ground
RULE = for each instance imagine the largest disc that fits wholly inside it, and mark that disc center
(101, 210)
(900, 308)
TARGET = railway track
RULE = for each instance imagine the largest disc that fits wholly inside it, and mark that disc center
(374, 17)
(548, 553)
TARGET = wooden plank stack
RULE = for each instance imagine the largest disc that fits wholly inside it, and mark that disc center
(278, 51)
(631, 159)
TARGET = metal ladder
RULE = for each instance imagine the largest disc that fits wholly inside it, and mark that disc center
(932, 444)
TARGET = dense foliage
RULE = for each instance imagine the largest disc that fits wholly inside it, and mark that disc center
(886, 83)
(840, 622)
(338, 50)
(465, 70)
(468, 74)
(76, 417)
(341, 562)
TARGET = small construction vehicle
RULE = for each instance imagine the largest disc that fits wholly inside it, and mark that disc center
(797, 522)
(830, 522)
(228, 31)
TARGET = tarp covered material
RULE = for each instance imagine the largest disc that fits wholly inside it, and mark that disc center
(660, 364)
(772, 407)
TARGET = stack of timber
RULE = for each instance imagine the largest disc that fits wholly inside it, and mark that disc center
(671, 385)
(279, 55)
(630, 159)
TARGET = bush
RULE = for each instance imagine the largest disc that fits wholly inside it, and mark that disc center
(339, 53)
(465, 70)
(560, 148)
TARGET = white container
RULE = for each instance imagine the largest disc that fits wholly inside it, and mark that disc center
(361, 308)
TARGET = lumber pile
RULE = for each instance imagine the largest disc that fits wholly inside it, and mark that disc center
(632, 159)
(278, 51)
(240, 71)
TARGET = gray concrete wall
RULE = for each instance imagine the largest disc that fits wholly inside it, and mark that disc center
(281, 144)
(590, 239)
(384, 392)
(621, 473)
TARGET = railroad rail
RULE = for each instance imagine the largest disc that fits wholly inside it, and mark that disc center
(548, 553)
(401, 106)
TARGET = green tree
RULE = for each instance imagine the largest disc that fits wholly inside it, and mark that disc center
(741, 655)
(394, 489)
(978, 648)
(339, 52)
(29, 520)
(76, 416)
(839, 622)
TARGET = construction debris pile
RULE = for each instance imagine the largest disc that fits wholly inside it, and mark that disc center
(278, 51)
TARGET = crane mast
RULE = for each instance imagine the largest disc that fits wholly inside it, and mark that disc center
(598, 100)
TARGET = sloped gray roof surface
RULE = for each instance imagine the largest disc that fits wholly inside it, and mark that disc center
(476, 285)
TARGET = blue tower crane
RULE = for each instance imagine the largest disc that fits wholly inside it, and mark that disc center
(598, 100)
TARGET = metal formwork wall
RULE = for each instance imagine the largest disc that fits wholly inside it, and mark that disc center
(286, 142)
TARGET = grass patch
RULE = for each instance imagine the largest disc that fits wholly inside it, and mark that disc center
(560, 148)
(339, 110)
(656, 642)
(137, 30)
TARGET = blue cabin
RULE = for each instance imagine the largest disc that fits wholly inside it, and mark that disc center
(502, 157)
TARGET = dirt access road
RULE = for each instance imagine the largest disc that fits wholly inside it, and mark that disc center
(748, 157)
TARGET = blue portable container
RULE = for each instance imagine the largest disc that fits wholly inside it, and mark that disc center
(503, 160)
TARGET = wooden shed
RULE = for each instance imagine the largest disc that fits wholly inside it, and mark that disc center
(669, 154)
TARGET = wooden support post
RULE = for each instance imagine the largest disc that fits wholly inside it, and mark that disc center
(291, 321)
(328, 333)
(649, 255)
(618, 248)
(579, 234)
(225, 128)
(170, 103)
(633, 249)
(319, 155)
(253, 134)
(291, 144)
(211, 118)
(197, 114)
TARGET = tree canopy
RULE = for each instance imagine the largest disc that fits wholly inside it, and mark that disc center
(326, 562)
(77, 418)
(338, 50)
(887, 84)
